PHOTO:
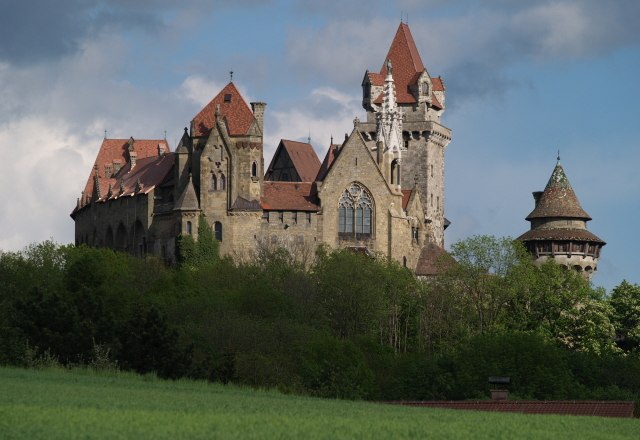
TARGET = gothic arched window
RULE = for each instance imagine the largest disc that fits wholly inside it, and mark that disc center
(254, 169)
(214, 182)
(217, 229)
(355, 213)
(223, 182)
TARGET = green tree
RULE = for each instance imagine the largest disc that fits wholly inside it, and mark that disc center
(483, 276)
(625, 301)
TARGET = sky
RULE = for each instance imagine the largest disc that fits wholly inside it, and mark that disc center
(524, 80)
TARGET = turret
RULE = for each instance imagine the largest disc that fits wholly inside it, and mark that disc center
(559, 227)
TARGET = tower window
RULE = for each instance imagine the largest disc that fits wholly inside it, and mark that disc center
(395, 172)
(217, 229)
(254, 169)
(189, 228)
(355, 213)
(223, 182)
(214, 182)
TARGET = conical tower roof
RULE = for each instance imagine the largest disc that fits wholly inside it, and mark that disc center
(558, 199)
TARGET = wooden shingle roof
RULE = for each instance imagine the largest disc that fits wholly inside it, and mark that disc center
(558, 199)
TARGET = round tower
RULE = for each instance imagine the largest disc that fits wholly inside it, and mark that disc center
(559, 227)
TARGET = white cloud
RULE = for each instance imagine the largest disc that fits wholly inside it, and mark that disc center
(324, 114)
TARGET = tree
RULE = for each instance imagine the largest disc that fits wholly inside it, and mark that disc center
(625, 301)
(483, 275)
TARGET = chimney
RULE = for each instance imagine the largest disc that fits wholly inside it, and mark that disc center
(536, 197)
(133, 156)
(258, 112)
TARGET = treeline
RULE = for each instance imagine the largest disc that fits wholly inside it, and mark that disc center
(344, 325)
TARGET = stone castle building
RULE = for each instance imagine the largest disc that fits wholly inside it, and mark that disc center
(380, 190)
(559, 227)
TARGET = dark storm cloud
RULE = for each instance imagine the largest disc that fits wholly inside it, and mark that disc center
(43, 30)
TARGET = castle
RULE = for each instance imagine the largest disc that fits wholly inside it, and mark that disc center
(381, 190)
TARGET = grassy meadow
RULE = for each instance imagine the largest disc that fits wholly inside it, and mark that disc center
(68, 404)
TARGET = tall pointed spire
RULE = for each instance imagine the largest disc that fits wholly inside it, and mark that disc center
(389, 118)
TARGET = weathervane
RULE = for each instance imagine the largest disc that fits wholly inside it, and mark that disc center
(231, 75)
(558, 156)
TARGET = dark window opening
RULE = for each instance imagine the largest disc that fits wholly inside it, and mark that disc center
(227, 97)
(217, 229)
(254, 169)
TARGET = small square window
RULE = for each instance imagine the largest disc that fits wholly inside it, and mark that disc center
(227, 97)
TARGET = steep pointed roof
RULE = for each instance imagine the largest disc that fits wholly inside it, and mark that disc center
(332, 152)
(558, 199)
(407, 69)
(233, 109)
(188, 200)
(301, 155)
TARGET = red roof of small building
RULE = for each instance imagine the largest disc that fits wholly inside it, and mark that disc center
(234, 111)
(433, 260)
(289, 196)
(406, 195)
(117, 151)
(563, 407)
(327, 162)
(303, 156)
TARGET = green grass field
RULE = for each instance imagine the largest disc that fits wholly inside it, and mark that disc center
(65, 404)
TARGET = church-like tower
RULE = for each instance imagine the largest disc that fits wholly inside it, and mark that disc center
(404, 98)
(559, 227)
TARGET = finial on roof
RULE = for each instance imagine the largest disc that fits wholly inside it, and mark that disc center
(558, 157)
(309, 137)
(331, 139)
(105, 133)
(356, 122)
(389, 67)
(231, 75)
(165, 135)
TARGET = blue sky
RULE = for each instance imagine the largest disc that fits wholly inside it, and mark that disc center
(524, 80)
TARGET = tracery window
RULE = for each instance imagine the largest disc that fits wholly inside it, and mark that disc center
(214, 183)
(355, 213)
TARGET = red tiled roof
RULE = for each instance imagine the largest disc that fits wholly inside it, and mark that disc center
(116, 151)
(327, 162)
(289, 196)
(148, 173)
(303, 156)
(406, 195)
(438, 85)
(558, 199)
(432, 260)
(407, 68)
(564, 407)
(234, 111)
(560, 234)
